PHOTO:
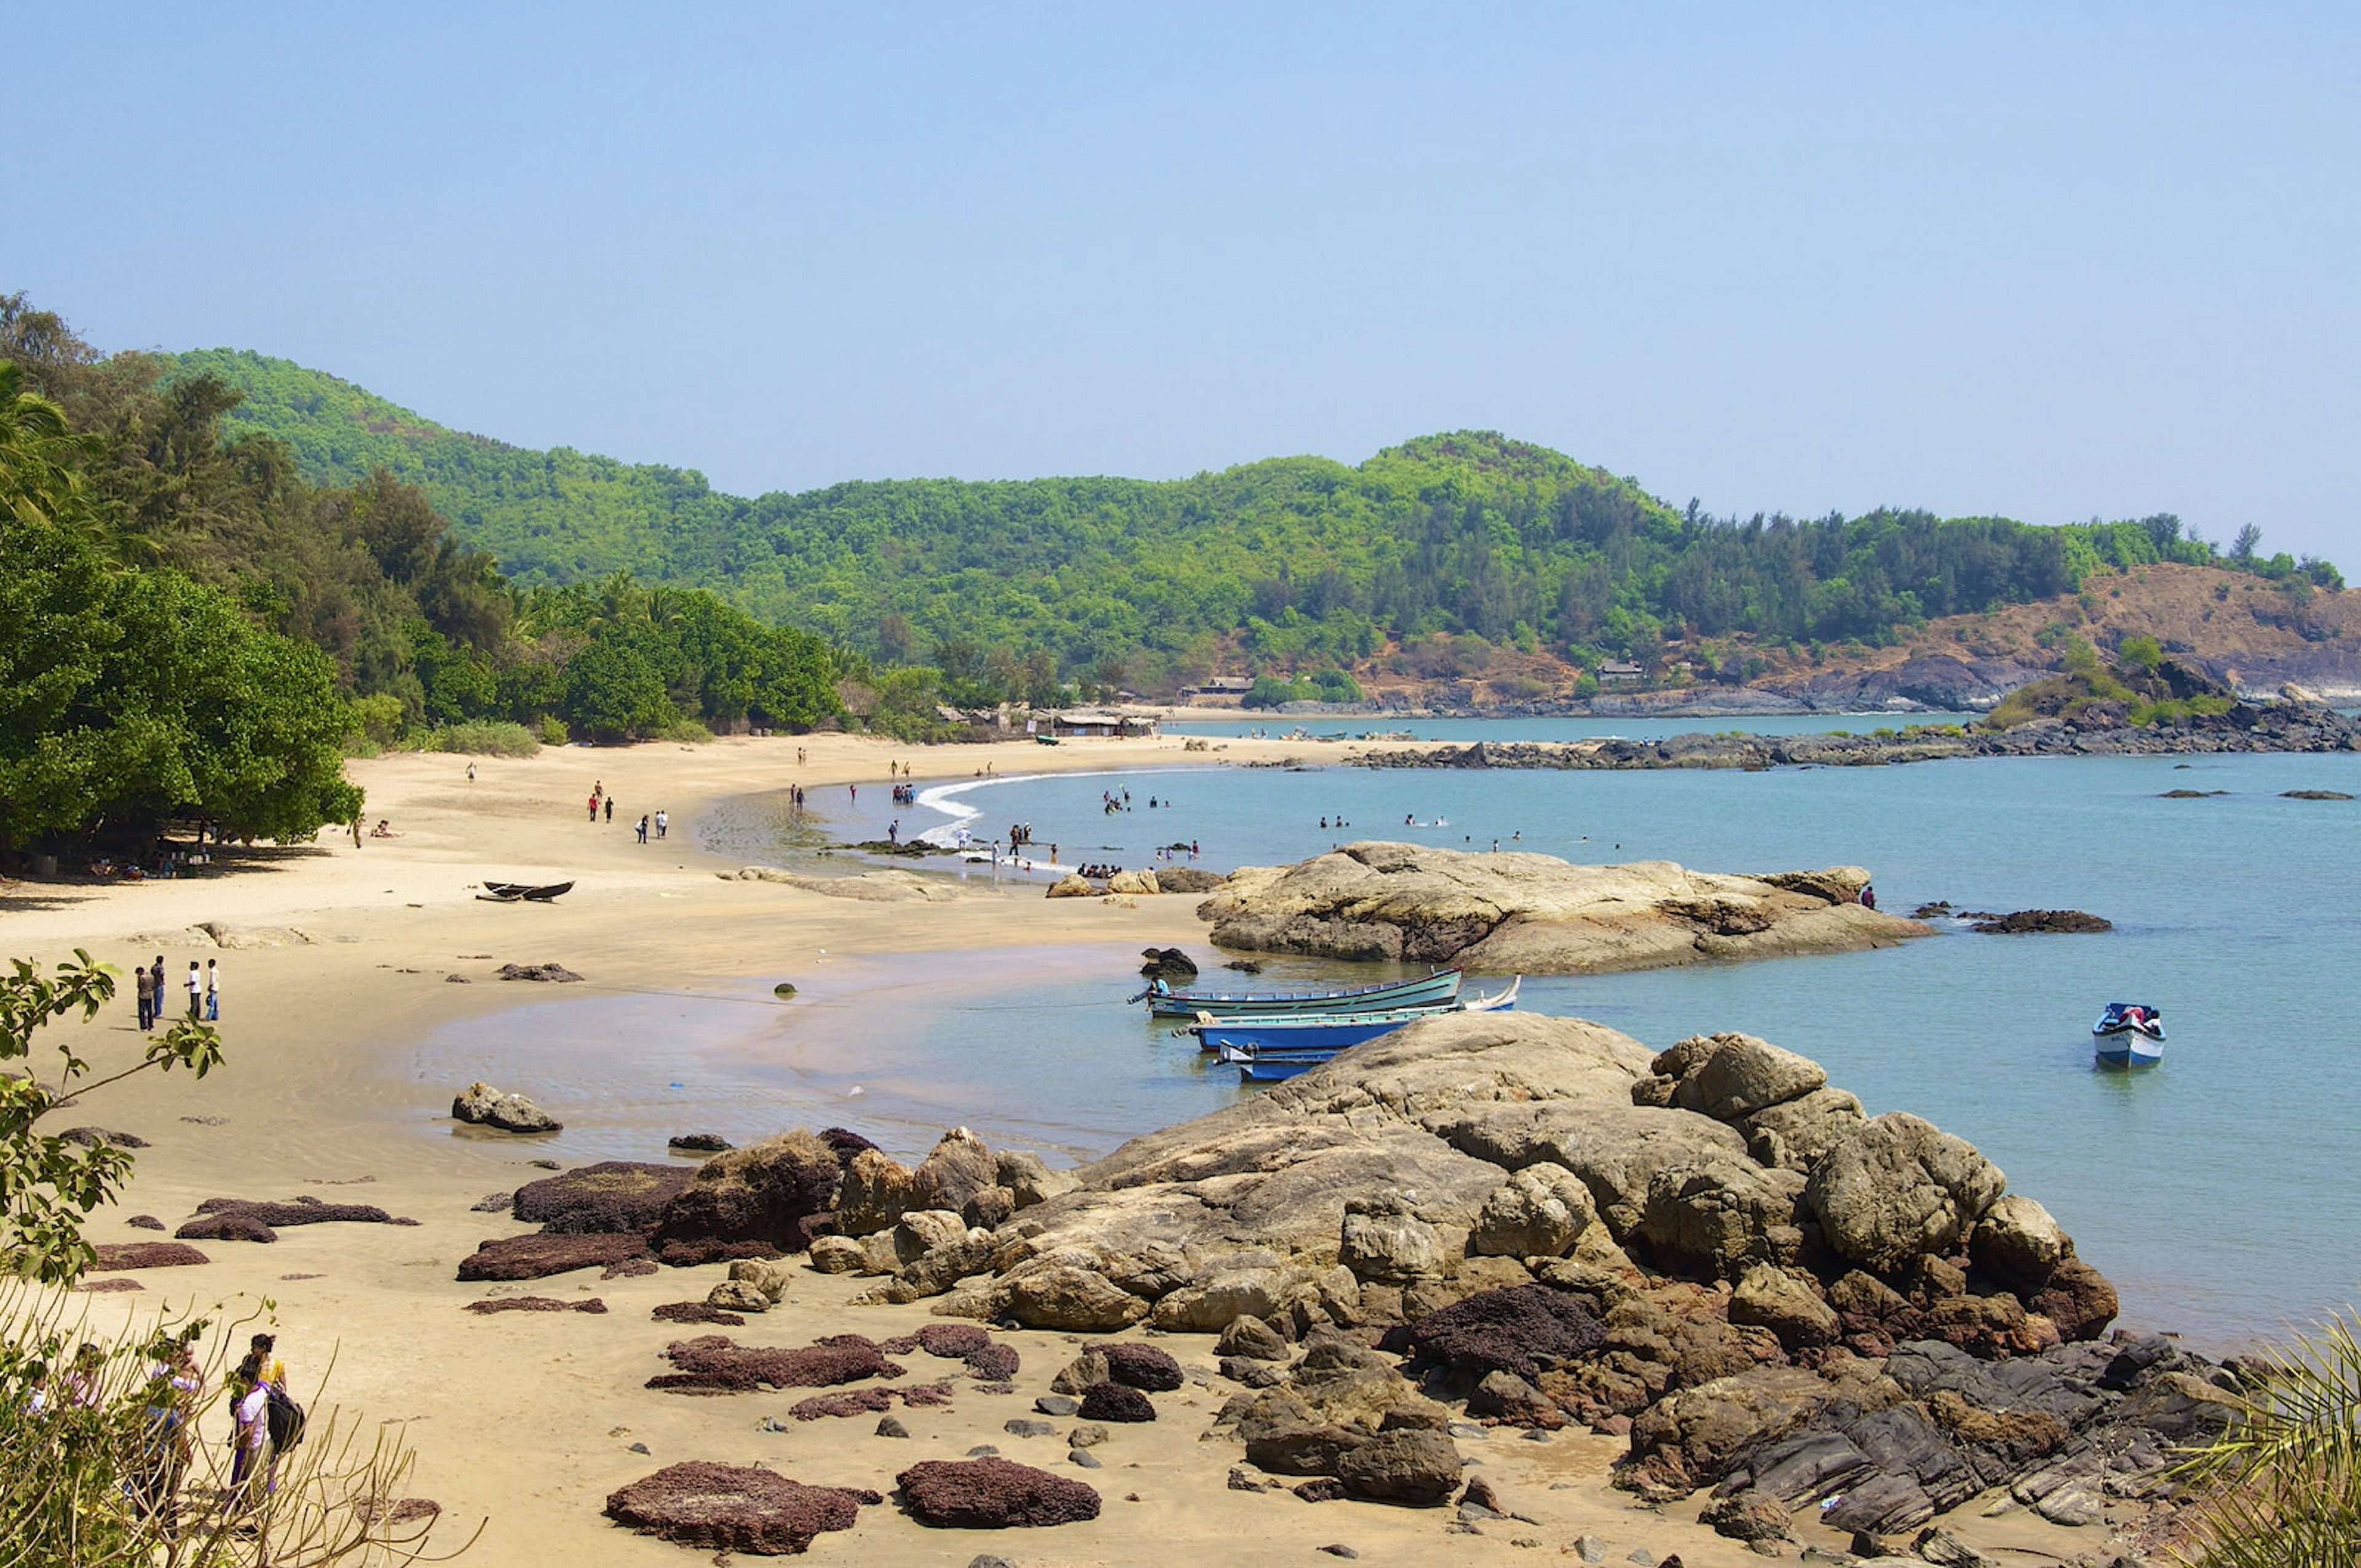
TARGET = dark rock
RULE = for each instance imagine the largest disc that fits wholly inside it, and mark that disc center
(2138, 1355)
(695, 1313)
(759, 1195)
(614, 1195)
(146, 1223)
(849, 1402)
(1523, 1329)
(491, 1203)
(92, 1137)
(1242, 1482)
(954, 1172)
(1141, 1366)
(1115, 1402)
(952, 1342)
(993, 1363)
(628, 1269)
(1322, 1489)
(232, 1213)
(1416, 1467)
(229, 1225)
(115, 1256)
(990, 1208)
(536, 1304)
(714, 1364)
(888, 1426)
(2311, 794)
(992, 1494)
(1253, 1373)
(733, 1509)
(2024, 921)
(557, 973)
(701, 1142)
(695, 1254)
(1084, 1458)
(1025, 1426)
(1057, 1405)
(1166, 963)
(1337, 1548)
(538, 1256)
(2078, 1299)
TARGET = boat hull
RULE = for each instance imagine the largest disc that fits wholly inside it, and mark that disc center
(2129, 1049)
(1430, 994)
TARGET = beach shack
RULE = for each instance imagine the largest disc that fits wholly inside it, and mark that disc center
(1093, 724)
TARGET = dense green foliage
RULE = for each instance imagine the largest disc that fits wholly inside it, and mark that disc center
(1284, 565)
(2142, 688)
(129, 696)
(178, 542)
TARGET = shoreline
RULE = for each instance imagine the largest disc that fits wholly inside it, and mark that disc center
(333, 1086)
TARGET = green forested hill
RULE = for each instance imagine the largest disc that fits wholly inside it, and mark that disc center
(1298, 562)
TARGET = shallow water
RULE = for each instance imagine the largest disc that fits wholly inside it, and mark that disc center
(2221, 1192)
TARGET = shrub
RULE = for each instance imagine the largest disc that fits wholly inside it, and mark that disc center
(553, 731)
(377, 719)
(2278, 1485)
(687, 731)
(488, 738)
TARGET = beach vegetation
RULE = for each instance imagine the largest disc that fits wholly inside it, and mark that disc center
(104, 1463)
(2281, 1485)
(486, 738)
(49, 1184)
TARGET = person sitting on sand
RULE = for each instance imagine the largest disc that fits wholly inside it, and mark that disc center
(384, 830)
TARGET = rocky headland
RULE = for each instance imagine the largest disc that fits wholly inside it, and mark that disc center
(2297, 722)
(1516, 913)
(1832, 1323)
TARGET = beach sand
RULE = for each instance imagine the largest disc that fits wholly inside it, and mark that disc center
(526, 1420)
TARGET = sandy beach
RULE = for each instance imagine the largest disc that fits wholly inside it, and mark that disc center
(526, 1420)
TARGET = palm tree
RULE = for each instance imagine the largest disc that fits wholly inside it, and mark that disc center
(36, 451)
(2281, 1485)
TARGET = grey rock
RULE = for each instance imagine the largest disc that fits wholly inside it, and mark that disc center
(1083, 1458)
(1253, 1339)
(639, 1447)
(1898, 1189)
(1540, 1211)
(984, 1451)
(1025, 1426)
(986, 1560)
(481, 1106)
(891, 1426)
(492, 1203)
(1059, 1405)
(1337, 1548)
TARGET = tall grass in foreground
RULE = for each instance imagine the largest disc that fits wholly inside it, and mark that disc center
(2282, 1487)
(94, 1474)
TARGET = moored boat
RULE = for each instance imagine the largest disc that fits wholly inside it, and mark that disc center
(1331, 1033)
(2129, 1035)
(1427, 993)
(1266, 1052)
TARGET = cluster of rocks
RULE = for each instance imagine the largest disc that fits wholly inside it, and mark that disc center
(1144, 883)
(1518, 1220)
(1530, 913)
(261, 1220)
(2297, 721)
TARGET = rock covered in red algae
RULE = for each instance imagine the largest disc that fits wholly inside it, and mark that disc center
(733, 1509)
(992, 1494)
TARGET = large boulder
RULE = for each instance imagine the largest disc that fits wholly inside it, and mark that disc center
(1794, 1134)
(1406, 1465)
(2018, 1242)
(1066, 1295)
(1898, 1189)
(1720, 1216)
(1540, 1211)
(1743, 1075)
(1029, 1180)
(1382, 1239)
(481, 1106)
(954, 1172)
(1788, 1303)
(762, 1193)
(1531, 913)
(877, 1191)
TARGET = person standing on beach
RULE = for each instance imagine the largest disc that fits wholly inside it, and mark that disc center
(610, 809)
(663, 823)
(471, 773)
(196, 993)
(594, 808)
(643, 827)
(156, 986)
(147, 988)
(213, 991)
(251, 1456)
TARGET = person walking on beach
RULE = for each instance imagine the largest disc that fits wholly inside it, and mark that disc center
(147, 988)
(610, 809)
(253, 1465)
(471, 773)
(175, 1387)
(196, 993)
(213, 991)
(664, 822)
(643, 827)
(594, 808)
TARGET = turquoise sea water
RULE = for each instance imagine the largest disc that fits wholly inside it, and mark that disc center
(2221, 1192)
(1632, 728)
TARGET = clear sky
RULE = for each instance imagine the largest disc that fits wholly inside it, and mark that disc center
(2049, 260)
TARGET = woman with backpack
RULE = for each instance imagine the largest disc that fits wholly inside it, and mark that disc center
(250, 1452)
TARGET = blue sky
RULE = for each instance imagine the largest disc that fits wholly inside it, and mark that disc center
(2051, 261)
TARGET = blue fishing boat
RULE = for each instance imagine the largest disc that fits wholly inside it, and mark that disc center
(1269, 1052)
(1427, 993)
(2129, 1035)
(1233, 1039)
